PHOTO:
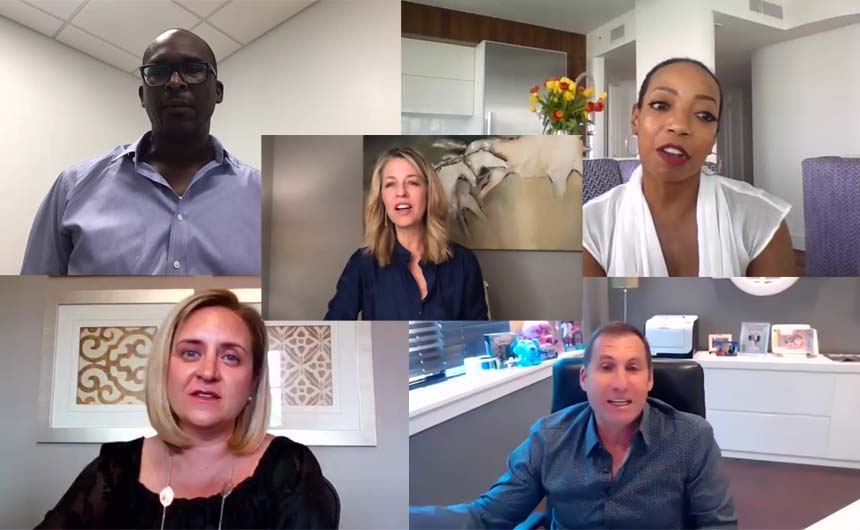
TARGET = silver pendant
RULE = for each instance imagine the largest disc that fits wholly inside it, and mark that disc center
(166, 496)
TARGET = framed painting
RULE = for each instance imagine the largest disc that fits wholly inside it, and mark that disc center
(321, 376)
(503, 193)
(95, 349)
(94, 356)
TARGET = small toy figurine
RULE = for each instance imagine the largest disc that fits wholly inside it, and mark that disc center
(528, 351)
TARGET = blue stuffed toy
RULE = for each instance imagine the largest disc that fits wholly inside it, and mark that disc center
(528, 352)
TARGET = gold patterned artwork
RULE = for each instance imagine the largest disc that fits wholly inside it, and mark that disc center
(306, 364)
(111, 364)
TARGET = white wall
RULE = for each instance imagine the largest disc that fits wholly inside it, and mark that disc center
(60, 107)
(804, 12)
(672, 28)
(734, 143)
(805, 104)
(622, 97)
(597, 41)
(332, 69)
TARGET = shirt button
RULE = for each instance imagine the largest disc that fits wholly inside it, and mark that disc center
(177, 264)
(179, 217)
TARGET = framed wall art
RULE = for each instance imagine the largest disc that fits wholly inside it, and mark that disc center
(321, 375)
(503, 193)
(95, 345)
(94, 356)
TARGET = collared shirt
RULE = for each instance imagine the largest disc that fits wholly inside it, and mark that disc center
(672, 478)
(455, 289)
(116, 215)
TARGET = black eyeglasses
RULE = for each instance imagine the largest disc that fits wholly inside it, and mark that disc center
(193, 73)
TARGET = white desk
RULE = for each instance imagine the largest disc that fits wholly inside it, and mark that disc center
(433, 404)
(784, 409)
(844, 519)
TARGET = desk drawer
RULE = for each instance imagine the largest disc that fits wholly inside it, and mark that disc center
(777, 392)
(778, 434)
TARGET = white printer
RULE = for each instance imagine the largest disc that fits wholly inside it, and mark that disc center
(672, 335)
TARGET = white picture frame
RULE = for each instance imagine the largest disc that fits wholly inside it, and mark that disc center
(62, 417)
(778, 330)
(350, 418)
(754, 338)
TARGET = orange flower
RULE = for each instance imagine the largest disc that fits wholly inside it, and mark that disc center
(535, 89)
(599, 106)
(589, 107)
(558, 115)
(564, 86)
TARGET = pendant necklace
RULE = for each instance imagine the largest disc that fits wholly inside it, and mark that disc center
(166, 495)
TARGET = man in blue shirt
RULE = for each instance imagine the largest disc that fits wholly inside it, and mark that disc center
(174, 202)
(621, 460)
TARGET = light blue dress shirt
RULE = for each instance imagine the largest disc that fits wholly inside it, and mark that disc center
(116, 215)
(672, 478)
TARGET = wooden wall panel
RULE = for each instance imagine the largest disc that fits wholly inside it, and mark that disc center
(427, 22)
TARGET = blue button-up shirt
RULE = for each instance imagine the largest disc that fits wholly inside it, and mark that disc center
(455, 289)
(672, 478)
(115, 214)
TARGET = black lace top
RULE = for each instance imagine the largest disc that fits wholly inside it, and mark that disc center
(287, 490)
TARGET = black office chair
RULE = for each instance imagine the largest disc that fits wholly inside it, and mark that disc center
(679, 383)
(332, 502)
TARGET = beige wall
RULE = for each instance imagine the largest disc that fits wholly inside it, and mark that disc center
(315, 221)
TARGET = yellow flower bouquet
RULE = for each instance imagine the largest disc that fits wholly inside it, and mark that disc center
(565, 106)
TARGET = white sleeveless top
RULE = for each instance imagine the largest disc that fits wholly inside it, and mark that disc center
(735, 222)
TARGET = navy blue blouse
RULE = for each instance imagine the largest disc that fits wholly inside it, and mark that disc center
(455, 289)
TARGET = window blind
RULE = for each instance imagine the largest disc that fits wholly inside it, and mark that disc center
(436, 346)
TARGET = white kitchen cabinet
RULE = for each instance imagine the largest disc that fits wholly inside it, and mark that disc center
(437, 78)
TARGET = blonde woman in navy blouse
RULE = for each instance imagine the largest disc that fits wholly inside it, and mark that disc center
(408, 269)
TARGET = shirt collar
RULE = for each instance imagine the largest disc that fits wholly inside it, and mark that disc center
(645, 424)
(134, 149)
(400, 251)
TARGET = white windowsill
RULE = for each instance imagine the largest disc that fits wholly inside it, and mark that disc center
(434, 404)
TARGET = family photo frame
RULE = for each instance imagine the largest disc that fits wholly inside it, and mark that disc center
(754, 337)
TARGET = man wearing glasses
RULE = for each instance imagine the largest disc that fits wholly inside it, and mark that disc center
(174, 202)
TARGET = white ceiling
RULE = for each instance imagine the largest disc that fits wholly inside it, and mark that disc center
(577, 16)
(117, 32)
(736, 39)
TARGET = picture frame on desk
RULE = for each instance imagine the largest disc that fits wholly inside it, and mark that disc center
(754, 338)
(726, 348)
(718, 337)
(794, 339)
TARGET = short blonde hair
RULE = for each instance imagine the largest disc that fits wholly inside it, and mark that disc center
(251, 424)
(380, 235)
